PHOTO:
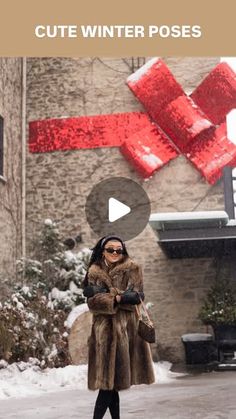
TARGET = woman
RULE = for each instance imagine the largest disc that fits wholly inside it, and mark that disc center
(118, 357)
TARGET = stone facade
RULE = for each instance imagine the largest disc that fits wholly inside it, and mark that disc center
(59, 182)
(11, 181)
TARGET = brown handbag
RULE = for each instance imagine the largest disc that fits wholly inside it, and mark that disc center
(146, 329)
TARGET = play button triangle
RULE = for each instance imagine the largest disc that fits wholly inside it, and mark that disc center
(117, 206)
(116, 209)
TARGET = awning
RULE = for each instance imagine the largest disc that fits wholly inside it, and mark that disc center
(194, 234)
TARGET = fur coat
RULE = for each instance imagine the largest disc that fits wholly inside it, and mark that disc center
(118, 357)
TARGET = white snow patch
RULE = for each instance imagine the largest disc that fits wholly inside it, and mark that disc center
(48, 222)
(53, 352)
(231, 125)
(200, 125)
(231, 61)
(25, 289)
(3, 363)
(74, 289)
(188, 91)
(152, 160)
(33, 381)
(76, 312)
(56, 294)
(163, 373)
(234, 185)
(146, 149)
(149, 305)
(142, 70)
(195, 337)
(70, 256)
(29, 380)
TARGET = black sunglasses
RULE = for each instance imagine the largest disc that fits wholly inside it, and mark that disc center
(111, 250)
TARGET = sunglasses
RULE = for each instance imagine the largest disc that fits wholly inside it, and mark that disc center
(111, 250)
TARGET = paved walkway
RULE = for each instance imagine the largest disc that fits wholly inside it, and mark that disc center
(205, 396)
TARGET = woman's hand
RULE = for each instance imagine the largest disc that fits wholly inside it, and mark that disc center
(114, 291)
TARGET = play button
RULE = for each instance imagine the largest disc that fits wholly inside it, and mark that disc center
(118, 206)
(117, 210)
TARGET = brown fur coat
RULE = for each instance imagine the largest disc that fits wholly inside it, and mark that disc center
(118, 357)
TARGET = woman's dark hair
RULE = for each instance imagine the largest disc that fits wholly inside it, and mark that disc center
(97, 253)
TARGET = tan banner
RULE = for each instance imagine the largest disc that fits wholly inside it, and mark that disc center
(109, 28)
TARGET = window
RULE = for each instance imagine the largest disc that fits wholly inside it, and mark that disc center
(1, 145)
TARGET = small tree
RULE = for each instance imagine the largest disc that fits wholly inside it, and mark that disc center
(32, 320)
(58, 272)
(220, 305)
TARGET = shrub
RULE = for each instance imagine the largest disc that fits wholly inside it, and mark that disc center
(32, 320)
(220, 305)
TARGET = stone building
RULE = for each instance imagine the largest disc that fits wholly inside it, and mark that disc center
(12, 93)
(59, 182)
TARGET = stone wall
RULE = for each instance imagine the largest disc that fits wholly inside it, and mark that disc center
(58, 182)
(10, 183)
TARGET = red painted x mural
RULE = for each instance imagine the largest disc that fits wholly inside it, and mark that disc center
(174, 124)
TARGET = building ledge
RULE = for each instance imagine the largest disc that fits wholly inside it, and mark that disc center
(194, 234)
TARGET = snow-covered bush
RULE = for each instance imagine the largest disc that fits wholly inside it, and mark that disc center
(219, 306)
(56, 268)
(32, 320)
(29, 328)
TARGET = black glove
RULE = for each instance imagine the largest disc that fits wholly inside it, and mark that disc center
(130, 297)
(91, 290)
(141, 295)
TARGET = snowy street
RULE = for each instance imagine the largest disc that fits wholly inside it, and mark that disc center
(204, 396)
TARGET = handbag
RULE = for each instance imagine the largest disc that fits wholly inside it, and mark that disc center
(146, 329)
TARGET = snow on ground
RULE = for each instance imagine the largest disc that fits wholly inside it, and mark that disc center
(27, 379)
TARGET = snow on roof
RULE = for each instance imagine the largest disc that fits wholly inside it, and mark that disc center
(194, 215)
(196, 219)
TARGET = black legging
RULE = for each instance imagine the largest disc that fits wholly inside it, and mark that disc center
(107, 399)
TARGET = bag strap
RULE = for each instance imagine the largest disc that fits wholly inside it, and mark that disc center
(138, 313)
(146, 312)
